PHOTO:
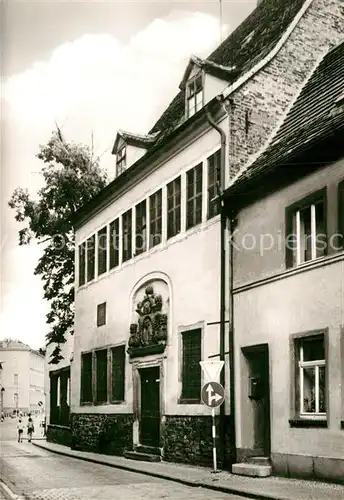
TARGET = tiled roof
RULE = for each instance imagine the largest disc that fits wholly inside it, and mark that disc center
(317, 113)
(244, 48)
(139, 140)
(227, 73)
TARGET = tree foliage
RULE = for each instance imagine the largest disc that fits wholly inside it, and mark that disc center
(71, 179)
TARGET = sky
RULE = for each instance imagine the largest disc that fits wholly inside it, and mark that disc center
(93, 67)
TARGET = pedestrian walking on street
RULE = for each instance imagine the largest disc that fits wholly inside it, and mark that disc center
(30, 429)
(20, 427)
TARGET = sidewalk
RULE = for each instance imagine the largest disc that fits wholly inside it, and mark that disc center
(271, 488)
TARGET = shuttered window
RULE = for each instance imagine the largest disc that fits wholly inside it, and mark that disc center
(101, 376)
(91, 258)
(173, 207)
(118, 373)
(102, 250)
(214, 177)
(82, 264)
(86, 378)
(127, 236)
(194, 196)
(141, 228)
(114, 243)
(191, 369)
(155, 207)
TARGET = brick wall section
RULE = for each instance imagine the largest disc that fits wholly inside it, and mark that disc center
(188, 439)
(104, 433)
(268, 95)
(59, 434)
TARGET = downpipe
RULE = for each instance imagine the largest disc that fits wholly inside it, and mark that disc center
(222, 433)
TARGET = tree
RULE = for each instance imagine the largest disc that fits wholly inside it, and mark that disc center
(71, 179)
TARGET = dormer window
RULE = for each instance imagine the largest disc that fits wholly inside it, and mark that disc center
(121, 160)
(194, 95)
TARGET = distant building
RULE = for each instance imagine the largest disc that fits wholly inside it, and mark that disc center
(22, 377)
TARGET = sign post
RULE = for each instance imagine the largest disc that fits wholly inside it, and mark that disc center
(213, 395)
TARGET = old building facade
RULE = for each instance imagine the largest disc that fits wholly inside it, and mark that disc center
(288, 287)
(153, 262)
(22, 377)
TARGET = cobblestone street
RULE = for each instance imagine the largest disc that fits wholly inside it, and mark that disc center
(36, 474)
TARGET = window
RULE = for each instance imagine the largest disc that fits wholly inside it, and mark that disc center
(194, 196)
(311, 376)
(340, 243)
(114, 243)
(86, 378)
(91, 258)
(155, 220)
(101, 376)
(118, 373)
(101, 314)
(173, 207)
(121, 160)
(194, 95)
(141, 228)
(127, 236)
(82, 264)
(191, 369)
(306, 230)
(102, 250)
(15, 379)
(214, 180)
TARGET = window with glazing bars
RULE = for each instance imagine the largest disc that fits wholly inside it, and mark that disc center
(141, 228)
(214, 179)
(118, 373)
(114, 243)
(306, 223)
(155, 220)
(101, 376)
(191, 369)
(173, 207)
(127, 236)
(86, 378)
(82, 264)
(91, 258)
(102, 250)
(311, 376)
(194, 196)
(194, 93)
(121, 160)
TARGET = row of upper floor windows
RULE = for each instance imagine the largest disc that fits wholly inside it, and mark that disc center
(142, 227)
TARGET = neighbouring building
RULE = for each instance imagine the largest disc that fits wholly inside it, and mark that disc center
(153, 266)
(22, 377)
(57, 385)
(288, 287)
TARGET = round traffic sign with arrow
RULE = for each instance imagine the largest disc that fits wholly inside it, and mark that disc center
(213, 394)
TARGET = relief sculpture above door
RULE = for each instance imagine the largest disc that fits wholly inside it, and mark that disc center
(148, 335)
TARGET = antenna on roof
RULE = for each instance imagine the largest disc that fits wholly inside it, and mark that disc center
(221, 34)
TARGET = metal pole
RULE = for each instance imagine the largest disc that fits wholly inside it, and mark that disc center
(214, 439)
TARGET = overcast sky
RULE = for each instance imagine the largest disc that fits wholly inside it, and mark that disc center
(92, 66)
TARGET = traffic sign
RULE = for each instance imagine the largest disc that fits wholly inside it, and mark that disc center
(212, 369)
(213, 394)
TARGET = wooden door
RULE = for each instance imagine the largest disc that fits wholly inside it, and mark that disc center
(150, 406)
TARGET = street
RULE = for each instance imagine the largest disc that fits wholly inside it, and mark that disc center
(36, 474)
